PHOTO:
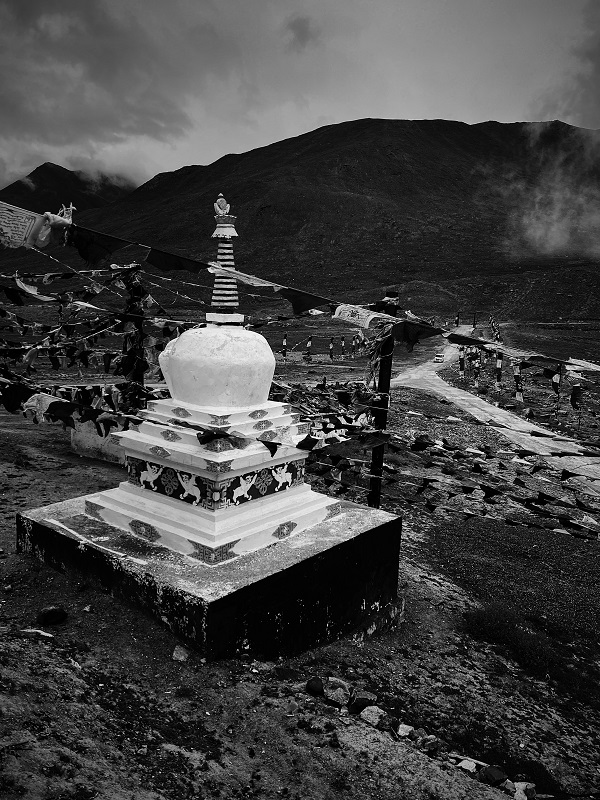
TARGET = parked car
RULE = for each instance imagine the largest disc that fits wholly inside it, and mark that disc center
(438, 358)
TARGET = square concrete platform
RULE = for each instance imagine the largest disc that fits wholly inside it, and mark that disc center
(334, 578)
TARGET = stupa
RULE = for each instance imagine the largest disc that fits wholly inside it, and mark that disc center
(213, 471)
(215, 529)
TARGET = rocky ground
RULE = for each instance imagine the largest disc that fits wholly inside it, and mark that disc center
(107, 704)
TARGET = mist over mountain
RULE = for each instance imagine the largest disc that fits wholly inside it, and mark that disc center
(502, 217)
(49, 186)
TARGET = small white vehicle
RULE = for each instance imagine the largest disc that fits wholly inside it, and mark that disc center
(438, 358)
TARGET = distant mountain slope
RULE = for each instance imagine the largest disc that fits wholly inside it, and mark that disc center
(501, 217)
(50, 185)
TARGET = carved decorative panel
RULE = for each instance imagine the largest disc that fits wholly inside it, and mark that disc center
(145, 530)
(267, 436)
(284, 530)
(262, 425)
(213, 555)
(159, 451)
(178, 484)
(220, 492)
(219, 420)
(170, 436)
(219, 466)
(258, 414)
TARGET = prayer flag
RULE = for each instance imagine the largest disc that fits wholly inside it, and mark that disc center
(167, 262)
(93, 246)
(359, 316)
(34, 292)
(576, 393)
(18, 227)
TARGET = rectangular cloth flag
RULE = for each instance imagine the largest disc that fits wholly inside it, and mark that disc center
(360, 316)
(167, 262)
(554, 375)
(34, 293)
(576, 393)
(94, 247)
(18, 227)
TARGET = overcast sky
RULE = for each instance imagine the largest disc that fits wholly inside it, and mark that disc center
(143, 86)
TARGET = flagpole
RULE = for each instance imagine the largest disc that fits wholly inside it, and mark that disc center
(380, 415)
(134, 306)
(382, 404)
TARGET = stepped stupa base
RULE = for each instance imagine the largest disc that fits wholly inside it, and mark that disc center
(333, 578)
(210, 536)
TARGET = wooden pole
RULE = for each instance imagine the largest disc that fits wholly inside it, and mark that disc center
(380, 415)
(558, 390)
(138, 370)
(134, 306)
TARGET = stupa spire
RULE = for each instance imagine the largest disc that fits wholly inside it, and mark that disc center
(225, 301)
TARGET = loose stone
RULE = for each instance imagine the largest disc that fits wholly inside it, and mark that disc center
(373, 715)
(180, 654)
(360, 699)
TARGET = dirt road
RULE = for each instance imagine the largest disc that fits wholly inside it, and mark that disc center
(565, 452)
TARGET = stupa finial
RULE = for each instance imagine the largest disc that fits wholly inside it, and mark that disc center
(225, 302)
(221, 206)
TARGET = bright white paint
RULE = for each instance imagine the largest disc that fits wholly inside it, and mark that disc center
(227, 367)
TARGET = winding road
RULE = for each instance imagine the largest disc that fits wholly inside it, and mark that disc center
(564, 452)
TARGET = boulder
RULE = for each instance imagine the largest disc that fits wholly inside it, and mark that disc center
(336, 696)
(492, 775)
(373, 715)
(360, 699)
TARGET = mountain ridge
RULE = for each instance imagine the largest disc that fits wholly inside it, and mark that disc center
(484, 215)
(50, 185)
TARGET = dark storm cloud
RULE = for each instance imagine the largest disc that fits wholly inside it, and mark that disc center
(300, 32)
(577, 101)
(103, 70)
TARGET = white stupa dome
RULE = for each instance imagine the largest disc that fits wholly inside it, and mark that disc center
(218, 367)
